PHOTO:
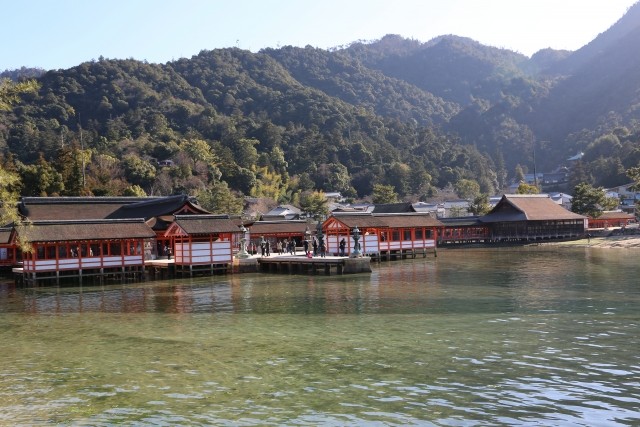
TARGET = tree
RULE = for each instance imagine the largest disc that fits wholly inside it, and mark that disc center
(525, 188)
(314, 203)
(479, 205)
(134, 191)
(41, 179)
(138, 171)
(588, 200)
(467, 189)
(10, 92)
(9, 193)
(218, 198)
(384, 194)
(199, 151)
(518, 174)
(634, 174)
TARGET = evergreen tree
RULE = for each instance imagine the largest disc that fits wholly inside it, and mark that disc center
(587, 200)
(384, 194)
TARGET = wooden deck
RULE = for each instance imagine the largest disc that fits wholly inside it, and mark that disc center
(92, 276)
(293, 264)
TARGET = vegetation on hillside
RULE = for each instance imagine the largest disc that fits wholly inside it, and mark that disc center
(392, 118)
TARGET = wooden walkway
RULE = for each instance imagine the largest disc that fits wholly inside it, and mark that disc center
(293, 264)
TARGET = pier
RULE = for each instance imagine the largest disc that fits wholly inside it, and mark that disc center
(293, 264)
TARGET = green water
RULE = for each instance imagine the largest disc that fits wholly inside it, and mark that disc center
(525, 336)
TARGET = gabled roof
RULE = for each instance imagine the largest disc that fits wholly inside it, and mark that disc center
(528, 207)
(393, 208)
(155, 207)
(68, 208)
(75, 230)
(207, 224)
(5, 236)
(399, 220)
(615, 215)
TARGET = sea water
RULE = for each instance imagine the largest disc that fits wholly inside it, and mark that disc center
(507, 336)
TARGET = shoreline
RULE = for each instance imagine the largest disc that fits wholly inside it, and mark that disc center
(625, 242)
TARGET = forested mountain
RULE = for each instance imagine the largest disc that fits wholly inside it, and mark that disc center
(282, 123)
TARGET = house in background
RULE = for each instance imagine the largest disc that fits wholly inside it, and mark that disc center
(456, 208)
(628, 198)
(562, 199)
(435, 209)
(282, 212)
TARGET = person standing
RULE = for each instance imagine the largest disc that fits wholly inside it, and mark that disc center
(315, 247)
(343, 245)
(268, 248)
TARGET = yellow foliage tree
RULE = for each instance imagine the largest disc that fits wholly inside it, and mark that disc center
(268, 184)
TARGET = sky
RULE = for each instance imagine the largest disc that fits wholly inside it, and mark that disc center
(53, 34)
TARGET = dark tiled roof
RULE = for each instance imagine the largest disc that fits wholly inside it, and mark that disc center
(280, 227)
(75, 230)
(67, 208)
(207, 224)
(156, 207)
(464, 221)
(410, 219)
(522, 207)
(393, 208)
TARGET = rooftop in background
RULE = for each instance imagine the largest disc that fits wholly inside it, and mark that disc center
(73, 208)
(206, 224)
(528, 207)
(388, 220)
(393, 208)
(158, 206)
(58, 231)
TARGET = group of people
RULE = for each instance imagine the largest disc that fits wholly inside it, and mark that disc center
(319, 248)
(288, 246)
(315, 247)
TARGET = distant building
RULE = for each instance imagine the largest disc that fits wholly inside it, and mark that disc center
(456, 208)
(434, 208)
(281, 212)
(612, 219)
(520, 217)
(404, 207)
(165, 163)
(628, 198)
(575, 158)
(562, 199)
(334, 196)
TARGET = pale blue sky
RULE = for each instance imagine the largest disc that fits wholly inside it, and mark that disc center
(63, 33)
